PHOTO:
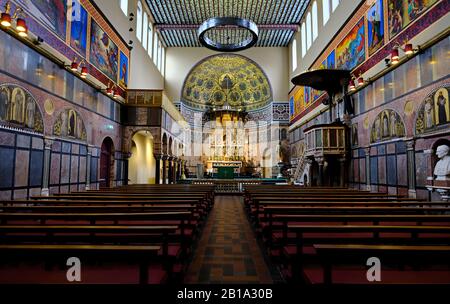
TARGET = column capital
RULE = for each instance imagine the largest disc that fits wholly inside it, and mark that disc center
(367, 151)
(410, 144)
(48, 142)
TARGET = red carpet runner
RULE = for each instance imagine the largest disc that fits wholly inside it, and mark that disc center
(228, 251)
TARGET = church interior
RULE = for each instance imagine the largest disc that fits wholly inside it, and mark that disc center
(299, 142)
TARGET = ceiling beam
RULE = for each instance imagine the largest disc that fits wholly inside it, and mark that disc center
(168, 27)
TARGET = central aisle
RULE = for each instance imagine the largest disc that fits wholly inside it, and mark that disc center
(228, 251)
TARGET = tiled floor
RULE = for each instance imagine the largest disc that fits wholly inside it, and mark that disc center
(228, 251)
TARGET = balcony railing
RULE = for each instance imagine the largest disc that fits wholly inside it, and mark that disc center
(325, 140)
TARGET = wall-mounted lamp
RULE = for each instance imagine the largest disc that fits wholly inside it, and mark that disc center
(112, 91)
(394, 59)
(19, 16)
(351, 85)
(361, 81)
(74, 66)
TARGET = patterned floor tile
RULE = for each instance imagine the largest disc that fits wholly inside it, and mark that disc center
(228, 251)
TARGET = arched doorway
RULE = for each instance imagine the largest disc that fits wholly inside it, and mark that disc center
(142, 163)
(106, 162)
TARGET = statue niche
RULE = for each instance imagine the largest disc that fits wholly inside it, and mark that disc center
(387, 125)
(434, 113)
(70, 124)
(18, 108)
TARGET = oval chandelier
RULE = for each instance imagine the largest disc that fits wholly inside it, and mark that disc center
(228, 34)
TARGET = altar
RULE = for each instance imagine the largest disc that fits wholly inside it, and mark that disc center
(224, 169)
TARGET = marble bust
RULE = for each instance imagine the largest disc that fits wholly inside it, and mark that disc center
(442, 168)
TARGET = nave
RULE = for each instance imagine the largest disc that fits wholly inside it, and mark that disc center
(144, 234)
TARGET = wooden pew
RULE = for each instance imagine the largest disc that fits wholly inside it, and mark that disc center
(254, 208)
(330, 254)
(143, 255)
(281, 232)
(309, 235)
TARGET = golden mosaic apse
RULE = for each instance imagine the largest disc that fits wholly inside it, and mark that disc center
(229, 78)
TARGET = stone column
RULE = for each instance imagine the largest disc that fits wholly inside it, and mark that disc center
(320, 161)
(164, 171)
(429, 160)
(179, 169)
(342, 181)
(170, 172)
(48, 141)
(175, 170)
(88, 167)
(157, 169)
(126, 159)
(411, 165)
(309, 165)
(183, 174)
(368, 185)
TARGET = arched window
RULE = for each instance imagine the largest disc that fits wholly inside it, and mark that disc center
(163, 61)
(315, 23)
(155, 50)
(326, 11)
(124, 6)
(139, 21)
(303, 37)
(145, 34)
(150, 39)
(308, 31)
(294, 54)
(334, 4)
(159, 55)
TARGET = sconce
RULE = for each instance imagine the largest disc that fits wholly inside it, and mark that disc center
(394, 59)
(351, 84)
(112, 91)
(361, 81)
(74, 66)
(19, 16)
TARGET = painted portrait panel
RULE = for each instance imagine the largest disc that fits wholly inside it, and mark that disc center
(123, 74)
(402, 12)
(299, 101)
(307, 96)
(291, 108)
(315, 94)
(331, 60)
(442, 111)
(78, 30)
(350, 52)
(103, 52)
(51, 13)
(18, 106)
(375, 27)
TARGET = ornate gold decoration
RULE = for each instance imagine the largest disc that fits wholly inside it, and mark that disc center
(366, 123)
(409, 107)
(69, 124)
(227, 77)
(387, 125)
(434, 113)
(49, 107)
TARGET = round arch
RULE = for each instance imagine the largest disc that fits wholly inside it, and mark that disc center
(142, 162)
(107, 163)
